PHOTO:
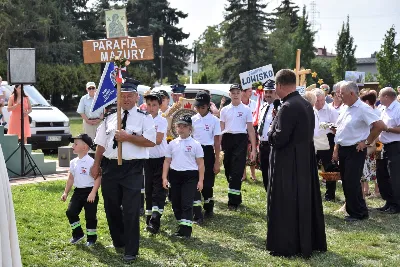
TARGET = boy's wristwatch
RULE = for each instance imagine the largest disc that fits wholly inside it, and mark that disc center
(366, 142)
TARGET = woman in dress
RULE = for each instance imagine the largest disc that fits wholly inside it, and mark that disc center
(369, 173)
(14, 106)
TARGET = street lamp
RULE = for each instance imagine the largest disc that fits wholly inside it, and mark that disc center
(161, 44)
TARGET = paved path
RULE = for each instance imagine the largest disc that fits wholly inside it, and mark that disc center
(61, 174)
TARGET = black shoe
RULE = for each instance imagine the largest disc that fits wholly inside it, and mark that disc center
(198, 221)
(130, 258)
(208, 214)
(151, 229)
(331, 199)
(392, 210)
(75, 240)
(141, 212)
(232, 207)
(384, 208)
(90, 243)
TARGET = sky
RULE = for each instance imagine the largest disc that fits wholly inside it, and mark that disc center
(369, 20)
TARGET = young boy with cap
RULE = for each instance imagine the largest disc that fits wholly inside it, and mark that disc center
(155, 193)
(236, 123)
(185, 157)
(207, 131)
(85, 192)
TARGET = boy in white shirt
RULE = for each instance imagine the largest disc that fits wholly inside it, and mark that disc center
(155, 193)
(85, 192)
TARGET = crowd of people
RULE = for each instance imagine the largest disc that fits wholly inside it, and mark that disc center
(294, 134)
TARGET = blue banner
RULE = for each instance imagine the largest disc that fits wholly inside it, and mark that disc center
(106, 92)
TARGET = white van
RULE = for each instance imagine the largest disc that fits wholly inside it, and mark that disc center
(49, 127)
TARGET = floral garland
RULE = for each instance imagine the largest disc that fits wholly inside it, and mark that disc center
(120, 64)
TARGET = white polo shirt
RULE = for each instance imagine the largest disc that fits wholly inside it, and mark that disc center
(161, 126)
(353, 125)
(138, 122)
(184, 153)
(205, 128)
(327, 114)
(252, 105)
(391, 117)
(80, 170)
(236, 118)
(85, 105)
(268, 119)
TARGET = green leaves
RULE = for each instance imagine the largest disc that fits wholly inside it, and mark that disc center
(388, 60)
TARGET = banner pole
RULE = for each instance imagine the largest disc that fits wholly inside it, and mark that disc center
(119, 121)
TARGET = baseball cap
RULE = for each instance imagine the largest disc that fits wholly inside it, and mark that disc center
(85, 138)
(130, 85)
(235, 86)
(185, 119)
(163, 93)
(154, 96)
(90, 84)
(202, 98)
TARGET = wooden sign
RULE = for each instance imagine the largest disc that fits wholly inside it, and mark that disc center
(132, 48)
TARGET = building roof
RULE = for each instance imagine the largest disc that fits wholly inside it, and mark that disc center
(366, 60)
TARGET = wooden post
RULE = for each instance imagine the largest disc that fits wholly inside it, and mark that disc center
(119, 122)
(298, 67)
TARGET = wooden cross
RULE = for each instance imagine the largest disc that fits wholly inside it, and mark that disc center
(300, 73)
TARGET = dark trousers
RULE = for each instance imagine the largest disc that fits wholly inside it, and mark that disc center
(121, 185)
(330, 185)
(235, 148)
(326, 158)
(388, 174)
(183, 189)
(79, 201)
(208, 184)
(155, 193)
(264, 149)
(351, 168)
(142, 191)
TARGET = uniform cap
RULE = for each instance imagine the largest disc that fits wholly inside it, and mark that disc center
(154, 96)
(269, 85)
(178, 88)
(130, 85)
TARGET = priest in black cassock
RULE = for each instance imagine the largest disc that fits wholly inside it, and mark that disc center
(296, 224)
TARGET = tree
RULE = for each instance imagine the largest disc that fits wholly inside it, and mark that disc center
(285, 9)
(303, 38)
(323, 67)
(158, 19)
(281, 45)
(245, 41)
(388, 60)
(345, 59)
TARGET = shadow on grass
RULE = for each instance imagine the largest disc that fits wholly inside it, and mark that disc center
(51, 187)
(110, 257)
(329, 258)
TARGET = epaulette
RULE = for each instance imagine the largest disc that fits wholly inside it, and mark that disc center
(112, 111)
(143, 112)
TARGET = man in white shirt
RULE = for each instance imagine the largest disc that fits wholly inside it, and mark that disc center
(236, 123)
(263, 128)
(357, 127)
(326, 114)
(388, 168)
(121, 184)
(91, 120)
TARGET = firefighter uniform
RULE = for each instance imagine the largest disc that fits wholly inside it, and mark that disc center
(121, 184)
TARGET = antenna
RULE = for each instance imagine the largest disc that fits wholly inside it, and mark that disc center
(315, 26)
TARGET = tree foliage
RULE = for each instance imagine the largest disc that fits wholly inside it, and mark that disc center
(345, 49)
(288, 10)
(158, 19)
(388, 60)
(245, 38)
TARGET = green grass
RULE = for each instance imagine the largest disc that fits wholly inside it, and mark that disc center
(228, 239)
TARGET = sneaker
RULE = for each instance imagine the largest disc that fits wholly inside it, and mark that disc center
(90, 243)
(75, 240)
(151, 229)
(232, 207)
